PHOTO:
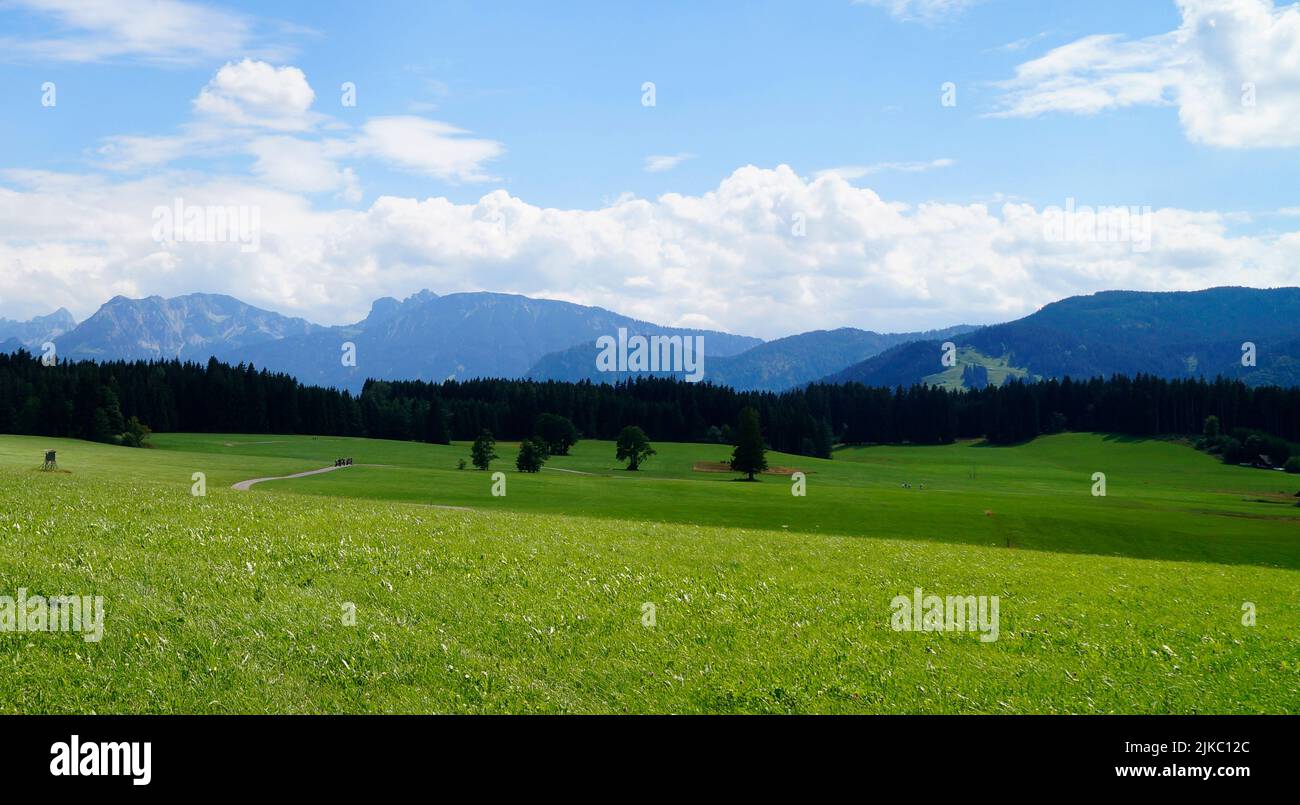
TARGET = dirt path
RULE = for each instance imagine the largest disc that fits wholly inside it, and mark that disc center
(244, 486)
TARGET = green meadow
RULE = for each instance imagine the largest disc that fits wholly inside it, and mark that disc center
(586, 588)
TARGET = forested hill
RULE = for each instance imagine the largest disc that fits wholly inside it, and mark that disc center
(1171, 335)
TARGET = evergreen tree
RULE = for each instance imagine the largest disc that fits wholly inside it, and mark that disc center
(101, 430)
(108, 402)
(1211, 429)
(750, 455)
(823, 439)
(484, 452)
(435, 424)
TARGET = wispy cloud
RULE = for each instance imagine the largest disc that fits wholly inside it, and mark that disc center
(1232, 69)
(921, 10)
(851, 172)
(428, 147)
(658, 163)
(162, 31)
(1019, 44)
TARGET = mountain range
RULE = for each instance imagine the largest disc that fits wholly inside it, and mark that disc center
(1245, 333)
(772, 366)
(464, 335)
(467, 335)
(424, 337)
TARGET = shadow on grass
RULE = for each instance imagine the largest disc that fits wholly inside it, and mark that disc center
(1123, 438)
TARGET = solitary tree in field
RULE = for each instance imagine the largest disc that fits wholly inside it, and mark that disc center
(557, 433)
(633, 447)
(750, 455)
(136, 434)
(484, 450)
(532, 455)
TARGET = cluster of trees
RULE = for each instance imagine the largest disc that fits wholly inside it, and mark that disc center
(533, 453)
(632, 445)
(1247, 446)
(97, 401)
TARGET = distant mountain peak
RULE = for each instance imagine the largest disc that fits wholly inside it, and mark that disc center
(194, 327)
(35, 332)
(381, 309)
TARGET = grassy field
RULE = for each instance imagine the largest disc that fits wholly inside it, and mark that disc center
(1000, 369)
(534, 602)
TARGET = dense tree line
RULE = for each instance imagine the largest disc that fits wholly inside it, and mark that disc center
(809, 419)
(88, 400)
(69, 399)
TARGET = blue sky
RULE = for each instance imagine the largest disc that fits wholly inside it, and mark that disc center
(1094, 102)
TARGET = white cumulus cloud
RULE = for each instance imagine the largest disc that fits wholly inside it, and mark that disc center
(766, 252)
(265, 112)
(258, 94)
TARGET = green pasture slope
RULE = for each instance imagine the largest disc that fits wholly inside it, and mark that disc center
(763, 602)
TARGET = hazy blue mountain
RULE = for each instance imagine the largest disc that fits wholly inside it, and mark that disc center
(464, 335)
(1169, 334)
(425, 336)
(193, 327)
(771, 366)
(32, 334)
(10, 345)
(431, 337)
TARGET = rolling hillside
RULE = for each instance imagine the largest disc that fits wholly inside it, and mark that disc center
(234, 602)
